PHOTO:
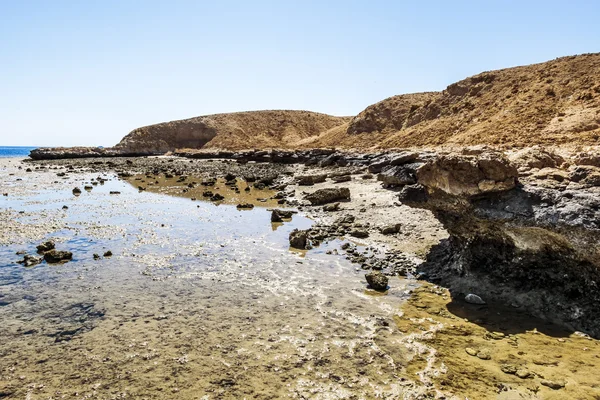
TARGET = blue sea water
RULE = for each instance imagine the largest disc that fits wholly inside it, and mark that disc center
(15, 151)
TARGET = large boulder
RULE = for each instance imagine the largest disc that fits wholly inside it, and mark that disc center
(464, 175)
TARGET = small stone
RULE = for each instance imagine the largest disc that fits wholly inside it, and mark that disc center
(76, 191)
(96, 256)
(108, 253)
(474, 299)
(554, 385)
(359, 233)
(484, 354)
(523, 373)
(216, 197)
(471, 351)
(245, 206)
(508, 369)
(331, 207)
(391, 229)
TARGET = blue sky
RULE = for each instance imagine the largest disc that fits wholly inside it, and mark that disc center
(88, 72)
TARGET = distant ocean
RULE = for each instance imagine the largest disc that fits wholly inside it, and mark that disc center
(15, 151)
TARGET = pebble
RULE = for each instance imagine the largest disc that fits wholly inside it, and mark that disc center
(474, 299)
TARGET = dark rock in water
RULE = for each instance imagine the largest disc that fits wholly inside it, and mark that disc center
(88, 187)
(216, 197)
(207, 193)
(30, 261)
(46, 246)
(5, 194)
(377, 280)
(245, 206)
(391, 229)
(65, 207)
(114, 192)
(367, 176)
(299, 239)
(56, 256)
(359, 233)
(279, 215)
(108, 253)
(329, 195)
(309, 180)
(259, 185)
(96, 256)
(76, 191)
(331, 207)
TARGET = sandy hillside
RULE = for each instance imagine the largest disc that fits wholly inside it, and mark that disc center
(555, 102)
(252, 129)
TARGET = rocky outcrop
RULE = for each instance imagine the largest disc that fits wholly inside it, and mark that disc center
(530, 246)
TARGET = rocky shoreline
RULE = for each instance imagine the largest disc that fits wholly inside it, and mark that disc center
(523, 225)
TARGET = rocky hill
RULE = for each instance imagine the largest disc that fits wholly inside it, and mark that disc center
(552, 103)
(243, 130)
(555, 102)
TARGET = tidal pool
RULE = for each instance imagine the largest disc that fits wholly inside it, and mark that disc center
(198, 301)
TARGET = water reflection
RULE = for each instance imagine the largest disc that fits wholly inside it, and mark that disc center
(196, 300)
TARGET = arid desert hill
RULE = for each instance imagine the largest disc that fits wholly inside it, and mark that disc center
(240, 130)
(555, 102)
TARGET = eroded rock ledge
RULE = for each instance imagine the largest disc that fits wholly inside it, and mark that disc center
(526, 244)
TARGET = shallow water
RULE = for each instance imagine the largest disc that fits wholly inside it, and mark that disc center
(199, 300)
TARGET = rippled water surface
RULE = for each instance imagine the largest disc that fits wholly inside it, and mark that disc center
(198, 300)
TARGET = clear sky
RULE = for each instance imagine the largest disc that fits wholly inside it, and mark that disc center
(88, 72)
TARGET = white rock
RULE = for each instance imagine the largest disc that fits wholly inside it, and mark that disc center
(474, 299)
